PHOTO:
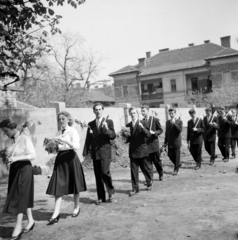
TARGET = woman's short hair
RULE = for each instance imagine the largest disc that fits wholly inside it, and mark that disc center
(7, 123)
(68, 115)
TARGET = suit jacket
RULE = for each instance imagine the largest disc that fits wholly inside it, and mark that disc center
(209, 134)
(195, 137)
(234, 127)
(224, 127)
(173, 133)
(153, 140)
(99, 140)
(138, 139)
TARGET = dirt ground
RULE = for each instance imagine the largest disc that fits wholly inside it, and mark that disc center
(200, 204)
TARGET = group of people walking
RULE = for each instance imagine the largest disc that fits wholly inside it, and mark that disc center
(144, 151)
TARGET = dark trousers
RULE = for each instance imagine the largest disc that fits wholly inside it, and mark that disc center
(210, 148)
(103, 176)
(135, 164)
(174, 156)
(154, 158)
(196, 152)
(224, 146)
(234, 143)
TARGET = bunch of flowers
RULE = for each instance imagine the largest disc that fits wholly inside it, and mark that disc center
(125, 132)
(82, 124)
(5, 154)
(51, 145)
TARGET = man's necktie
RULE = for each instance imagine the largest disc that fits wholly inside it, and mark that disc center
(98, 124)
(13, 139)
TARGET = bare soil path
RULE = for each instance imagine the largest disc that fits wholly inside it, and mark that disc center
(196, 205)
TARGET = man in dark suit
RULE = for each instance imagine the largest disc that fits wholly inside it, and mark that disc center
(172, 139)
(224, 133)
(194, 137)
(234, 132)
(209, 135)
(138, 152)
(99, 134)
(153, 142)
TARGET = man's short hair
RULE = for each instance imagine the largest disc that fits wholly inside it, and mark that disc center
(145, 106)
(208, 109)
(98, 104)
(222, 108)
(131, 108)
(172, 110)
(191, 111)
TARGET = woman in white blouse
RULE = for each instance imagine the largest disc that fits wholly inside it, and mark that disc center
(68, 176)
(20, 197)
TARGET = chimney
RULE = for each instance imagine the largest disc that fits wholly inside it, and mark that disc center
(225, 41)
(191, 44)
(141, 62)
(148, 54)
(164, 50)
(206, 41)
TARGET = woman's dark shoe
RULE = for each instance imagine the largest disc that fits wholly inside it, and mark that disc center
(76, 214)
(26, 230)
(17, 237)
(54, 220)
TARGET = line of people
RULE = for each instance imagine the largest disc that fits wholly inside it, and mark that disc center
(144, 151)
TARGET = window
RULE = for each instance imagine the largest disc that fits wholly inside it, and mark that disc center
(125, 91)
(194, 84)
(174, 105)
(173, 85)
(227, 77)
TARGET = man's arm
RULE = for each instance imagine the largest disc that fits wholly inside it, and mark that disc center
(87, 143)
(108, 129)
(158, 128)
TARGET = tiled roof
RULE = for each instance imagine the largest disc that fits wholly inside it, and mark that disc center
(96, 96)
(224, 53)
(178, 59)
(126, 69)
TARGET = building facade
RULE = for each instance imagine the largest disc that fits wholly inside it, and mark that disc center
(169, 76)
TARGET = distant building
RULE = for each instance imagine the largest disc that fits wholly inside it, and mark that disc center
(167, 77)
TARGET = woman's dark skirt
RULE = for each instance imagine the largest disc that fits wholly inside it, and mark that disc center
(68, 176)
(20, 188)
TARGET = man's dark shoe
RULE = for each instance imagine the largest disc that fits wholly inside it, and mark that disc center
(99, 201)
(161, 177)
(175, 173)
(149, 186)
(133, 193)
(211, 162)
(197, 167)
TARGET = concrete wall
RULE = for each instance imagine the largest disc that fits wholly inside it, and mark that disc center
(45, 123)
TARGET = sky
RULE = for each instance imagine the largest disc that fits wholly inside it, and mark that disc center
(121, 31)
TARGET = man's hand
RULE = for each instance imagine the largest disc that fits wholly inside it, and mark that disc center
(188, 146)
(141, 125)
(105, 124)
(152, 132)
(195, 129)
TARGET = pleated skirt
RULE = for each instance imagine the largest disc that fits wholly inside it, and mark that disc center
(68, 176)
(20, 188)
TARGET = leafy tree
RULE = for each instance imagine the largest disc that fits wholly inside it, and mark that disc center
(19, 21)
(224, 95)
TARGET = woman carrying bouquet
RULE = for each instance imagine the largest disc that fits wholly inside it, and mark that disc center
(68, 176)
(20, 195)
